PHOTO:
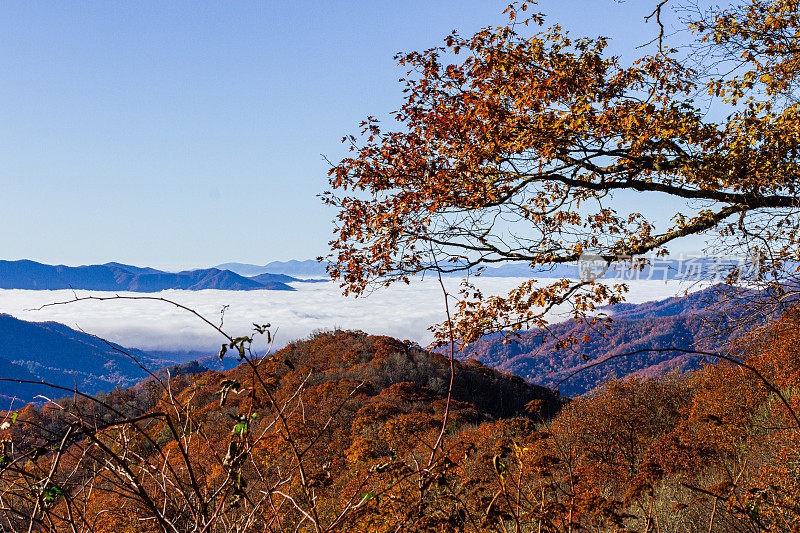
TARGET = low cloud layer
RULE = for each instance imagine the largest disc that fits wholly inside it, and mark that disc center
(400, 311)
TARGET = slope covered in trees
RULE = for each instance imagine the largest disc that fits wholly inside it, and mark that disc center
(53, 352)
(342, 433)
(347, 397)
(703, 321)
(347, 432)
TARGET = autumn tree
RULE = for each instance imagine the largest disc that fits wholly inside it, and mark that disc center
(517, 143)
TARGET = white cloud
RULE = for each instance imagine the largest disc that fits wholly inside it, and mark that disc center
(400, 311)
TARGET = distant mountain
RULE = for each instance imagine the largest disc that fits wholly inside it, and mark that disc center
(243, 269)
(305, 269)
(697, 321)
(283, 278)
(313, 268)
(702, 301)
(118, 277)
(688, 268)
(660, 269)
(522, 270)
(55, 353)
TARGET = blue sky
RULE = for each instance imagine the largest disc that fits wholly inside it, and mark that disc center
(180, 134)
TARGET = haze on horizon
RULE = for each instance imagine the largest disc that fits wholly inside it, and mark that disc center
(185, 135)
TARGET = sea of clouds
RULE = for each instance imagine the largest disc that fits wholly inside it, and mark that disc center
(403, 311)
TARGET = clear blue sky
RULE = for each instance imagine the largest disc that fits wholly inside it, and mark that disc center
(189, 133)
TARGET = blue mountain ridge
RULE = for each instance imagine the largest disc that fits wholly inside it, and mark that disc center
(25, 274)
(293, 267)
(693, 268)
(312, 267)
(60, 355)
(704, 320)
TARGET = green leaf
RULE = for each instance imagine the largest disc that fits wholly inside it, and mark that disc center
(51, 493)
(365, 497)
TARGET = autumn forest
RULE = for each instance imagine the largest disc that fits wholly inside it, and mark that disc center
(511, 145)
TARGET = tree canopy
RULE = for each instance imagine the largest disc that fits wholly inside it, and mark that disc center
(513, 143)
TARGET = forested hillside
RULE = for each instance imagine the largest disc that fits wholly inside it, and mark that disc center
(342, 432)
(57, 354)
(523, 146)
(703, 321)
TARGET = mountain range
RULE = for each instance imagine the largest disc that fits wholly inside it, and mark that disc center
(277, 275)
(26, 274)
(693, 268)
(314, 268)
(698, 321)
(293, 267)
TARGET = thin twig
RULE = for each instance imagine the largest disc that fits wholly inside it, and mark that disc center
(452, 366)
